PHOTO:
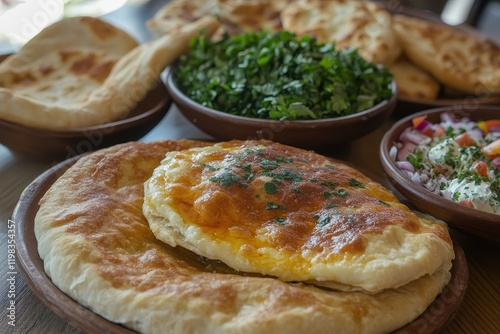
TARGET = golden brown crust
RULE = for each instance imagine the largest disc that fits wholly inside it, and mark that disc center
(412, 81)
(460, 60)
(97, 248)
(177, 13)
(350, 24)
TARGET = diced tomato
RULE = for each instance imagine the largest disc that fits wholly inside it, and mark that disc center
(466, 202)
(440, 130)
(491, 123)
(440, 169)
(464, 140)
(481, 168)
(492, 149)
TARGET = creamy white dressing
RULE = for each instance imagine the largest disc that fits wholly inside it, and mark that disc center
(437, 154)
(479, 194)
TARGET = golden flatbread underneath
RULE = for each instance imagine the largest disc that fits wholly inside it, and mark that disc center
(178, 13)
(466, 62)
(349, 24)
(97, 248)
(412, 81)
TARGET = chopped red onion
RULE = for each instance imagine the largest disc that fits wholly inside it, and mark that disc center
(405, 165)
(496, 162)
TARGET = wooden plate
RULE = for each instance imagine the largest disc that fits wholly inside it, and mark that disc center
(437, 315)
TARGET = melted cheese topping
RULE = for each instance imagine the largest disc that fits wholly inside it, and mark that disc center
(276, 210)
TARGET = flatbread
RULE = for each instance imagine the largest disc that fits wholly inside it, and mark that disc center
(97, 248)
(350, 24)
(178, 13)
(93, 73)
(412, 81)
(268, 208)
(238, 16)
(466, 62)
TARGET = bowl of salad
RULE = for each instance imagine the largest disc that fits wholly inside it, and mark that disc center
(277, 86)
(446, 162)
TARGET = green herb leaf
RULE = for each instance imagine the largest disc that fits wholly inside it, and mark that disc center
(270, 188)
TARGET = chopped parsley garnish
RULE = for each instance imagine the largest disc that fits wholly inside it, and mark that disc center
(329, 184)
(226, 178)
(207, 166)
(277, 75)
(270, 188)
(384, 203)
(341, 193)
(356, 183)
(273, 206)
(323, 220)
(280, 220)
(416, 159)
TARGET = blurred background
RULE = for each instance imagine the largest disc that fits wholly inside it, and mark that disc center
(20, 20)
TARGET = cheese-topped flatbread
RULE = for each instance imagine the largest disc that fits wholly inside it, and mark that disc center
(97, 247)
(466, 62)
(350, 24)
(267, 208)
(83, 71)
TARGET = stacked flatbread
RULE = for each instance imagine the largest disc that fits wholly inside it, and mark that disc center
(427, 58)
(237, 237)
(92, 73)
(460, 60)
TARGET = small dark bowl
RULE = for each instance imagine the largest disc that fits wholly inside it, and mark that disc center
(41, 144)
(310, 134)
(468, 220)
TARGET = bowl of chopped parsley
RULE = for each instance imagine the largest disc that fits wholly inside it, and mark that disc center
(446, 162)
(277, 86)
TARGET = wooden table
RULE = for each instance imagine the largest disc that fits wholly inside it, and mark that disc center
(479, 313)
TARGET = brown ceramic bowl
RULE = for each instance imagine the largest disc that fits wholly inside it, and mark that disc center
(306, 134)
(40, 144)
(468, 220)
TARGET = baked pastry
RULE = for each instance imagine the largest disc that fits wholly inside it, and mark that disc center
(412, 81)
(466, 62)
(272, 209)
(97, 247)
(93, 73)
(350, 24)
